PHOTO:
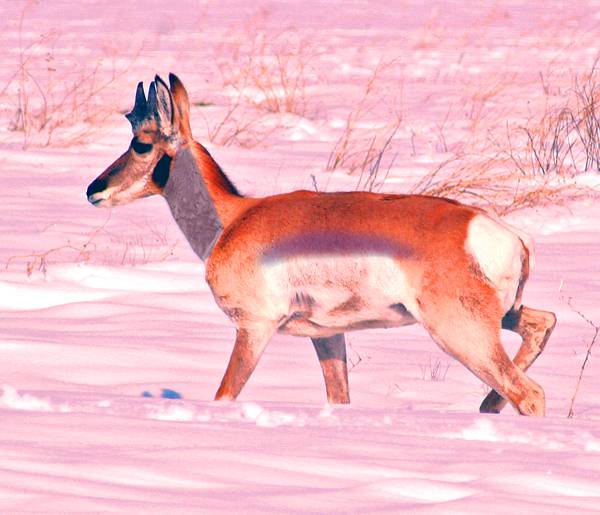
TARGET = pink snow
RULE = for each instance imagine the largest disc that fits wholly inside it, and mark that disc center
(98, 307)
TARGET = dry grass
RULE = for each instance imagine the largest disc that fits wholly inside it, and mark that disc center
(270, 71)
(506, 166)
(242, 125)
(360, 148)
(100, 246)
(49, 94)
(354, 358)
(434, 370)
(38, 261)
(596, 328)
(481, 169)
(369, 178)
(264, 75)
(496, 161)
(491, 182)
(565, 140)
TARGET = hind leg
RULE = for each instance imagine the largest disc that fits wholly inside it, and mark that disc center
(468, 328)
(332, 357)
(535, 327)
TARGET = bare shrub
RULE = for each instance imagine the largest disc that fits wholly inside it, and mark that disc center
(146, 245)
(241, 124)
(38, 261)
(102, 247)
(566, 139)
(369, 178)
(587, 93)
(362, 145)
(507, 166)
(48, 93)
(430, 34)
(434, 370)
(489, 180)
(354, 358)
(588, 353)
(270, 71)
(263, 75)
(482, 100)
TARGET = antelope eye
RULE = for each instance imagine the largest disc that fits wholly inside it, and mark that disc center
(139, 147)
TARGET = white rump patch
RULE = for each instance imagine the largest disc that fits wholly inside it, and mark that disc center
(498, 251)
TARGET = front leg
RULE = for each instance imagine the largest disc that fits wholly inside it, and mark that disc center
(249, 345)
(332, 357)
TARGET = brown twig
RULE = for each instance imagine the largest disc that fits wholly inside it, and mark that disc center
(588, 353)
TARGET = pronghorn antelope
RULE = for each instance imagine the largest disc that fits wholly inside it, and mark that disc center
(320, 264)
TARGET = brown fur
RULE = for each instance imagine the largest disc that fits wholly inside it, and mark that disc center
(332, 357)
(535, 327)
(182, 106)
(228, 204)
(354, 303)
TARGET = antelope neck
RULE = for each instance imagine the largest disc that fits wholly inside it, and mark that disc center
(191, 205)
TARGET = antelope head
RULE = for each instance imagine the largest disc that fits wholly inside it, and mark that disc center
(160, 126)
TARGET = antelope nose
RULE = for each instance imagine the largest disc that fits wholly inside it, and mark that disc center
(94, 188)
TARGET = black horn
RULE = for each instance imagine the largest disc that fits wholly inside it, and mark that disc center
(152, 108)
(140, 108)
(158, 107)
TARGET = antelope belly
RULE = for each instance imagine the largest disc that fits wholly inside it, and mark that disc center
(321, 295)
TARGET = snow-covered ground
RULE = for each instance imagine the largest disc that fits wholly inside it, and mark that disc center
(104, 315)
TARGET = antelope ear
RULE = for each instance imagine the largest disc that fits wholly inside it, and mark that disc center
(163, 106)
(181, 103)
